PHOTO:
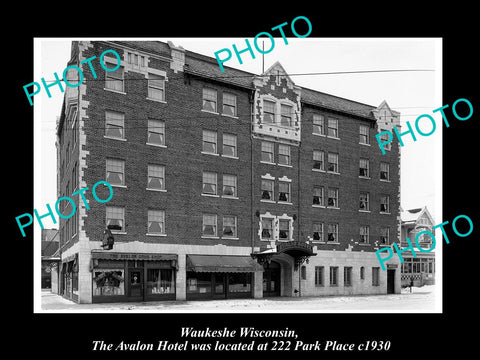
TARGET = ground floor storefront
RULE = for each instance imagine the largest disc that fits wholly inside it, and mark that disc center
(418, 271)
(293, 270)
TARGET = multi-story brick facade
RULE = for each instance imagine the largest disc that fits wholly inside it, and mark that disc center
(216, 173)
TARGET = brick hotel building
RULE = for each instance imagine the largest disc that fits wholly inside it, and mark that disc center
(226, 185)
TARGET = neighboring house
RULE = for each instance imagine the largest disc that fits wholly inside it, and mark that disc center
(50, 257)
(422, 267)
(225, 184)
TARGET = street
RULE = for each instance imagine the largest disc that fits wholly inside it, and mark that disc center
(421, 300)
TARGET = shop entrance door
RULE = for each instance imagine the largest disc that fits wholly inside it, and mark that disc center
(271, 280)
(135, 281)
(390, 281)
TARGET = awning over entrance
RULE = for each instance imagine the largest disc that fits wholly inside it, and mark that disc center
(222, 263)
(298, 250)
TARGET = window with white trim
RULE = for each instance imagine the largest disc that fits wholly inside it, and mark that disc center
(332, 234)
(364, 234)
(317, 231)
(156, 222)
(333, 275)
(364, 168)
(364, 134)
(333, 162)
(286, 115)
(347, 276)
(229, 104)
(364, 201)
(268, 154)
(114, 124)
(229, 145)
(318, 160)
(209, 100)
(267, 228)
(384, 171)
(284, 154)
(318, 124)
(229, 226)
(267, 189)
(156, 177)
(268, 112)
(209, 227)
(332, 197)
(385, 138)
(210, 183)
(284, 229)
(284, 191)
(385, 203)
(318, 196)
(114, 79)
(156, 87)
(319, 275)
(210, 141)
(115, 218)
(156, 132)
(229, 185)
(333, 128)
(384, 236)
(115, 171)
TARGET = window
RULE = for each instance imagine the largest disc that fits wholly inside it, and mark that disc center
(364, 202)
(318, 124)
(209, 100)
(229, 104)
(333, 128)
(319, 275)
(160, 281)
(114, 125)
(318, 195)
(156, 177)
(385, 203)
(318, 231)
(364, 234)
(284, 191)
(333, 275)
(156, 87)
(318, 160)
(385, 236)
(268, 112)
(210, 183)
(156, 222)
(333, 197)
(267, 228)
(362, 273)
(75, 177)
(209, 141)
(332, 232)
(209, 225)
(229, 185)
(115, 171)
(364, 168)
(375, 276)
(230, 226)
(303, 272)
(364, 134)
(267, 152)
(385, 171)
(114, 79)
(267, 189)
(385, 138)
(333, 162)
(347, 276)
(156, 132)
(283, 154)
(115, 218)
(284, 229)
(286, 115)
(229, 145)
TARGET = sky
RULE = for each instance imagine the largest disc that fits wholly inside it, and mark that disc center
(410, 93)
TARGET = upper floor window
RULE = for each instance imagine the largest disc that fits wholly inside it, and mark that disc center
(115, 218)
(229, 185)
(364, 234)
(156, 87)
(268, 151)
(268, 112)
(284, 229)
(114, 124)
(156, 132)
(267, 228)
(364, 168)
(114, 79)
(364, 134)
(318, 124)
(332, 232)
(364, 201)
(209, 99)
(209, 225)
(115, 171)
(284, 154)
(267, 189)
(136, 59)
(385, 138)
(229, 145)
(318, 231)
(156, 222)
(156, 177)
(385, 203)
(286, 115)
(384, 236)
(384, 171)
(210, 141)
(284, 191)
(229, 104)
(318, 160)
(333, 128)
(333, 162)
(229, 226)
(318, 195)
(210, 183)
(333, 197)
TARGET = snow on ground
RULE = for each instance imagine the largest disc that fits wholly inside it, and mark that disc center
(419, 300)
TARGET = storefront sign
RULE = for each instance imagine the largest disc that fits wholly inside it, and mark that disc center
(130, 256)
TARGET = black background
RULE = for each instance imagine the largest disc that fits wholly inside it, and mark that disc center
(71, 335)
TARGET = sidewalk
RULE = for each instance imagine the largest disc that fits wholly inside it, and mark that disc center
(420, 300)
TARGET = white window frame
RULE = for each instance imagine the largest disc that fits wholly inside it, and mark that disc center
(274, 115)
(109, 74)
(318, 120)
(334, 128)
(387, 197)
(109, 163)
(364, 134)
(335, 241)
(229, 105)
(263, 151)
(321, 198)
(367, 162)
(288, 115)
(289, 194)
(115, 122)
(156, 127)
(153, 214)
(215, 225)
(235, 235)
(272, 182)
(209, 141)
(234, 138)
(287, 154)
(234, 177)
(154, 168)
(367, 202)
(335, 163)
(152, 84)
(272, 220)
(321, 232)
(364, 238)
(116, 208)
(336, 191)
(321, 160)
(384, 137)
(205, 97)
(206, 173)
(382, 164)
(387, 236)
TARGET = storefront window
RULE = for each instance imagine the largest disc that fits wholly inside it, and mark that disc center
(200, 283)
(240, 282)
(219, 279)
(108, 282)
(160, 281)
